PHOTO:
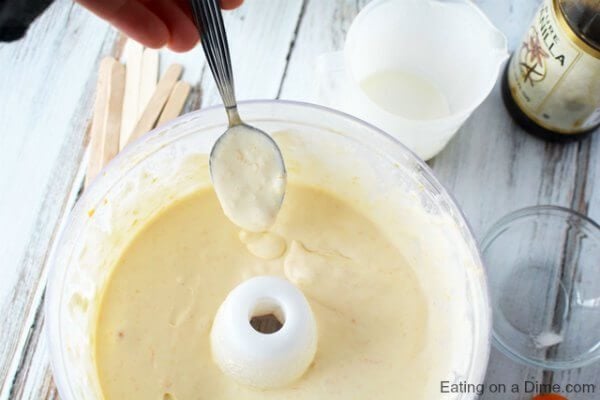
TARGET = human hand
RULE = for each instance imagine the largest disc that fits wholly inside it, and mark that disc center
(154, 23)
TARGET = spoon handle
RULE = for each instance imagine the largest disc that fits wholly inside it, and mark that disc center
(209, 21)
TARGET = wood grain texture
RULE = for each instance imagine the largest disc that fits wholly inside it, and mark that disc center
(261, 34)
(175, 103)
(157, 102)
(322, 30)
(491, 166)
(132, 57)
(98, 117)
(106, 121)
(148, 78)
(41, 144)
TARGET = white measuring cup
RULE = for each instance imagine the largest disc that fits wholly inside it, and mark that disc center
(415, 68)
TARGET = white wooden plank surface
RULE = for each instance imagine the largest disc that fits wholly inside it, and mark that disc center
(491, 166)
(49, 87)
(263, 32)
(322, 30)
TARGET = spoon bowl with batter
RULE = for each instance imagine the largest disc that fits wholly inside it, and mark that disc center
(246, 165)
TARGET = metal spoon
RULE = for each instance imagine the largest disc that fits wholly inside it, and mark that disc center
(248, 200)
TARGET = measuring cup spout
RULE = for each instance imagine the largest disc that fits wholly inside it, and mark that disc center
(499, 45)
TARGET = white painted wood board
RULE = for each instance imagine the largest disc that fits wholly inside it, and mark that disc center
(491, 166)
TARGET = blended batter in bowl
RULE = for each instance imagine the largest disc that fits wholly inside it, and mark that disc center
(153, 330)
(367, 250)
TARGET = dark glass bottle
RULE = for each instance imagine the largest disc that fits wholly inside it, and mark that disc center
(551, 85)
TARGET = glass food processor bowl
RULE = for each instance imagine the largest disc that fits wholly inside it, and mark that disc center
(322, 148)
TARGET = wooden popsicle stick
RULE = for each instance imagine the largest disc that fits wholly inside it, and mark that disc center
(157, 102)
(106, 122)
(98, 119)
(175, 104)
(148, 78)
(112, 125)
(133, 58)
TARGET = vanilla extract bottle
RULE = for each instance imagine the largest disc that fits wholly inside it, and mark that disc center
(551, 85)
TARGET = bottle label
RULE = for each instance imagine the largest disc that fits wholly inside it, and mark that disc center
(554, 76)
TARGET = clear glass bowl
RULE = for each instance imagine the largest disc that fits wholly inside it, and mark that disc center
(342, 146)
(543, 270)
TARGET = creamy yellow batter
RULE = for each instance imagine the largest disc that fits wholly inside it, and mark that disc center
(249, 177)
(152, 335)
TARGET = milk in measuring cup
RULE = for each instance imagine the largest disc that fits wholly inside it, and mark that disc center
(406, 94)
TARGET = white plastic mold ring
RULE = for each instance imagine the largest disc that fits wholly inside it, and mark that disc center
(264, 360)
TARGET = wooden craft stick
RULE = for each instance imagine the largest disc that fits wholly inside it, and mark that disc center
(133, 58)
(176, 101)
(112, 125)
(98, 119)
(148, 78)
(106, 121)
(157, 101)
